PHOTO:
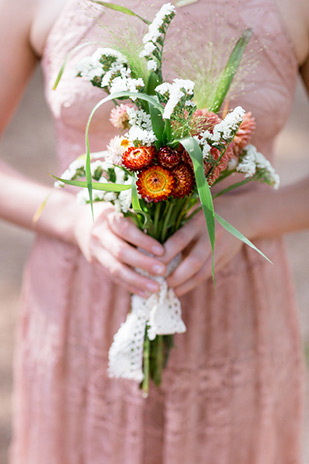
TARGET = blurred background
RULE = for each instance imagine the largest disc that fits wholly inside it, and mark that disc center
(28, 145)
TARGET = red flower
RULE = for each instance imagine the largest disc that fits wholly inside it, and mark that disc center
(168, 158)
(184, 180)
(137, 158)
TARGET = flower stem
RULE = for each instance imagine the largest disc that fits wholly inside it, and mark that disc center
(146, 352)
(165, 225)
(158, 353)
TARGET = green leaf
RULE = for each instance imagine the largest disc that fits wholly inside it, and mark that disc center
(167, 134)
(231, 229)
(68, 56)
(157, 123)
(136, 204)
(122, 9)
(110, 187)
(230, 70)
(192, 147)
(153, 82)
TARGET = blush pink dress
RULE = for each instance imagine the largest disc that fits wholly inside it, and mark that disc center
(233, 390)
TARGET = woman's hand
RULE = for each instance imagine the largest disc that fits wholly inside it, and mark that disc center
(193, 242)
(112, 241)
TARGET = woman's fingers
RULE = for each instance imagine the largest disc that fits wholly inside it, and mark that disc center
(128, 231)
(191, 264)
(124, 275)
(127, 254)
(182, 238)
(203, 274)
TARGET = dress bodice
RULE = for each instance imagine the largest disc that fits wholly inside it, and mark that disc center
(266, 87)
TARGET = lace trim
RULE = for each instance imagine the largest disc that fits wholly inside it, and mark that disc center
(160, 314)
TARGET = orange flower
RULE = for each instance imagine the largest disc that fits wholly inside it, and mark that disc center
(155, 183)
(211, 173)
(137, 158)
(244, 133)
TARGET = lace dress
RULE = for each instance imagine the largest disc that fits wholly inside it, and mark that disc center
(233, 391)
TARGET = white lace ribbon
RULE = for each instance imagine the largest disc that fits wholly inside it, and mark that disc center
(161, 313)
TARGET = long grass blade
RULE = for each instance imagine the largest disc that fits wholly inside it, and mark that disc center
(136, 204)
(192, 147)
(68, 56)
(230, 70)
(110, 187)
(121, 9)
(231, 229)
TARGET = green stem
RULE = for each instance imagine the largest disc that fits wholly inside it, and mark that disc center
(158, 364)
(146, 352)
(165, 226)
(232, 187)
(182, 213)
(157, 218)
(223, 176)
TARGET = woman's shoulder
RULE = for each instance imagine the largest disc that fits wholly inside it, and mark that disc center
(295, 15)
(45, 15)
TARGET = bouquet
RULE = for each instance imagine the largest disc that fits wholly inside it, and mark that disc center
(160, 171)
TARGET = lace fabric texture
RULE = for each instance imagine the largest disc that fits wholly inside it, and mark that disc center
(160, 314)
(233, 390)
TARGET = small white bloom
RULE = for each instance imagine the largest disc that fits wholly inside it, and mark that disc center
(152, 65)
(89, 68)
(101, 52)
(145, 137)
(148, 49)
(139, 118)
(247, 165)
(116, 150)
(175, 92)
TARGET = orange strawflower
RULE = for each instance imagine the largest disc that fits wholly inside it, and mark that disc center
(137, 158)
(155, 183)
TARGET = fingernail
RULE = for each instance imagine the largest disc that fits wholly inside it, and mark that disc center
(143, 294)
(153, 287)
(158, 269)
(157, 250)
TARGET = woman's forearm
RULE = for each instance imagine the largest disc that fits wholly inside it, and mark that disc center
(20, 199)
(276, 212)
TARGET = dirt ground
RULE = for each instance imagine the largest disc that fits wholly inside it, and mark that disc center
(29, 146)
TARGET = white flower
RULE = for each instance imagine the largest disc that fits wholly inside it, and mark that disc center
(148, 49)
(152, 65)
(143, 136)
(139, 118)
(126, 84)
(263, 163)
(232, 163)
(164, 15)
(71, 171)
(254, 161)
(95, 165)
(247, 165)
(175, 92)
(106, 52)
(89, 68)
(229, 124)
(116, 149)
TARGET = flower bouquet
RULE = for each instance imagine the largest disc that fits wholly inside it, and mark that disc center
(160, 171)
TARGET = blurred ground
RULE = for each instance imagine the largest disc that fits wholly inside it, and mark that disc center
(28, 145)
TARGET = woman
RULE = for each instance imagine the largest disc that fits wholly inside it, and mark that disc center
(233, 390)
